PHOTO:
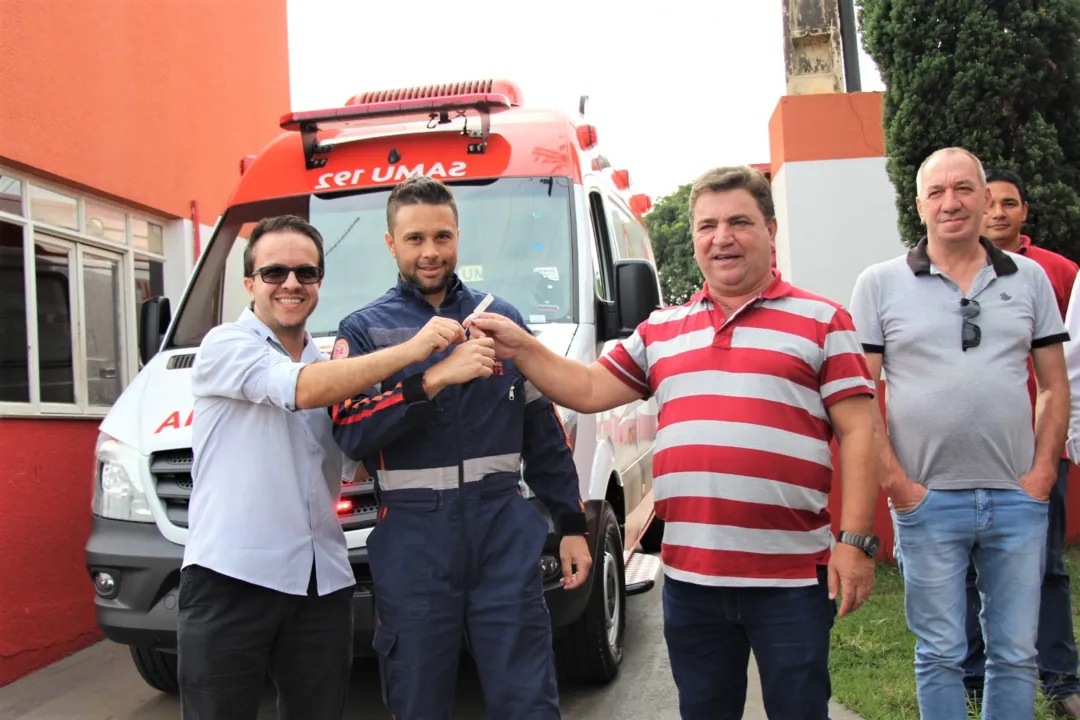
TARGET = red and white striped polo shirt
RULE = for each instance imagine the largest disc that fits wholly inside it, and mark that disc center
(742, 466)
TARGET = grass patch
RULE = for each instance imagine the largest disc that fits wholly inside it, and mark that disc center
(873, 653)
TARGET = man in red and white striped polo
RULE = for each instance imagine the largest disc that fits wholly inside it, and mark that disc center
(753, 377)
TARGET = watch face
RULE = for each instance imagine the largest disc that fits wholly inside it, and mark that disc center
(872, 546)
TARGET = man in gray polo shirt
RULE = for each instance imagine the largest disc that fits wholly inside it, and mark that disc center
(952, 323)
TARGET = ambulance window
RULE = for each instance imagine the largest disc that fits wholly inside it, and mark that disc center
(601, 247)
(629, 235)
(598, 274)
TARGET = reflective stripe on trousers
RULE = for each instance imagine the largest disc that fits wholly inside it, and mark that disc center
(446, 478)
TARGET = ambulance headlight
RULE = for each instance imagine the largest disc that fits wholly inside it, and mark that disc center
(118, 490)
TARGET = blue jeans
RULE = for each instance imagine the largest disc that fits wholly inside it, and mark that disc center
(1004, 531)
(710, 632)
(1056, 644)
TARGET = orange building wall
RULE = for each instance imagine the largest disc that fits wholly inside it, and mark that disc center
(153, 102)
(826, 127)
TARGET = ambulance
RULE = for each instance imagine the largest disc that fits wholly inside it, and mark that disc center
(546, 223)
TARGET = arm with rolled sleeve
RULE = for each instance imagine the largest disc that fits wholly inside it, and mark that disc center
(233, 363)
(369, 421)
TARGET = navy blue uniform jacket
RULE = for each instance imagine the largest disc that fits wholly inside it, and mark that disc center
(396, 426)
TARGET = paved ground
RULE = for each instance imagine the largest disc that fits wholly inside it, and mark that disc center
(100, 683)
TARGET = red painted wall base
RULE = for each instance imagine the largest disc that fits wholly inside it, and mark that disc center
(46, 597)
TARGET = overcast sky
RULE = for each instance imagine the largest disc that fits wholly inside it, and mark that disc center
(675, 87)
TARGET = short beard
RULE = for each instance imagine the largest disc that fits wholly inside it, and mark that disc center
(415, 282)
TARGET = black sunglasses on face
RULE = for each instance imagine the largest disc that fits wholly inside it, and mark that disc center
(971, 334)
(277, 274)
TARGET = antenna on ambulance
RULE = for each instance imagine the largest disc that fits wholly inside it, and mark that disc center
(581, 105)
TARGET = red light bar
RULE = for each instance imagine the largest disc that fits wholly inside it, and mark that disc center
(441, 92)
(421, 108)
(640, 204)
(586, 136)
(621, 178)
(344, 505)
(434, 103)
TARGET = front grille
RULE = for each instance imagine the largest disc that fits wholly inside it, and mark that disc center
(171, 470)
(180, 362)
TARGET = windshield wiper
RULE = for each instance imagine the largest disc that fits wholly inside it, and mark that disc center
(343, 236)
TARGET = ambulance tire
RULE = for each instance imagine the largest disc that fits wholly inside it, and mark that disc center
(588, 653)
(157, 668)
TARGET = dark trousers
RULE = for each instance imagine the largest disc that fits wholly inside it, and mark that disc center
(454, 563)
(710, 632)
(1056, 645)
(232, 634)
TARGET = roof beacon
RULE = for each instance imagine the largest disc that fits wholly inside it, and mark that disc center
(438, 104)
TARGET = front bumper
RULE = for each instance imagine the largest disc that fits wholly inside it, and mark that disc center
(146, 568)
(142, 610)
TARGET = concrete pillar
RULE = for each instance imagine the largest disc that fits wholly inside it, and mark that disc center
(835, 205)
(812, 47)
(835, 211)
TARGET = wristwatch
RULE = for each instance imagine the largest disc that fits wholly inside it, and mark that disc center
(869, 544)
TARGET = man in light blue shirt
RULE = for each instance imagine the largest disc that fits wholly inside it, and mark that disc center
(266, 585)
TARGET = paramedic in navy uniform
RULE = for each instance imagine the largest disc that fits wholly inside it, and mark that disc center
(266, 585)
(457, 548)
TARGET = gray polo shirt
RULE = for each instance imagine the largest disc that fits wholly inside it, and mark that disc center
(957, 419)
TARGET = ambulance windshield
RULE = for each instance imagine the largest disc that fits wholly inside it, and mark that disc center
(515, 242)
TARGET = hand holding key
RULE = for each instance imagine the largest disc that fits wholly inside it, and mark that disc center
(470, 360)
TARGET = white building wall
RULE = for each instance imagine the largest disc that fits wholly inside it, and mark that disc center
(180, 256)
(835, 217)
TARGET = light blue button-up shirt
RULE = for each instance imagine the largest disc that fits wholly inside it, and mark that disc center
(266, 476)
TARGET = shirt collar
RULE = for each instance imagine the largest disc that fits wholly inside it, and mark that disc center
(251, 321)
(777, 288)
(1025, 243)
(918, 258)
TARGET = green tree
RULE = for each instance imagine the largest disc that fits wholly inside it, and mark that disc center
(1000, 78)
(669, 229)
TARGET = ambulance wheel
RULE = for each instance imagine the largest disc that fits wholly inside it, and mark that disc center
(157, 668)
(592, 649)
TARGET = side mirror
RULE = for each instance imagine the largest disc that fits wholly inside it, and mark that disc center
(637, 294)
(154, 317)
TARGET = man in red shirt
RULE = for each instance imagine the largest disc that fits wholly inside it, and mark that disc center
(1002, 224)
(752, 378)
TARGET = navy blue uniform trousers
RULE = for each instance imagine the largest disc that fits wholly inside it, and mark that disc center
(448, 563)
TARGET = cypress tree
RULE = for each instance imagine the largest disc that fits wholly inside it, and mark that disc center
(1000, 78)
